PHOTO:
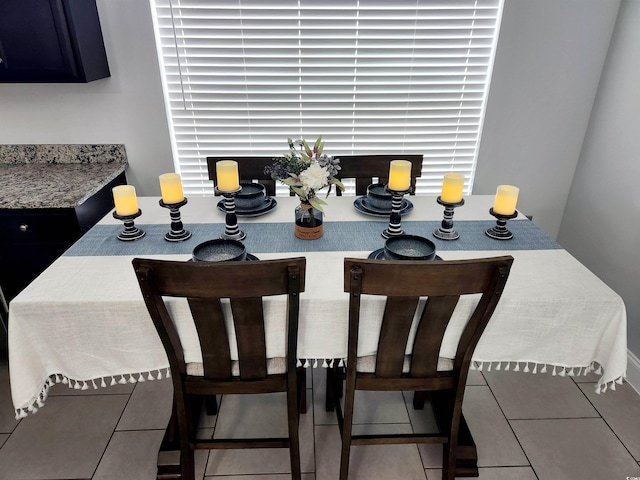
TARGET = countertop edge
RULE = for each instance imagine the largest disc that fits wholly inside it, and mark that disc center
(54, 195)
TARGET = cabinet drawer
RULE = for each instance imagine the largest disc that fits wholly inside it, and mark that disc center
(38, 225)
(21, 263)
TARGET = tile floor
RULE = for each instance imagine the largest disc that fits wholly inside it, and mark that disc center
(526, 426)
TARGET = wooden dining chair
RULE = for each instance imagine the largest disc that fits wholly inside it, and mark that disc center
(249, 168)
(390, 369)
(206, 286)
(365, 167)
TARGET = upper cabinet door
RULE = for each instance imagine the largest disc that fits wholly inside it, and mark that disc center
(51, 41)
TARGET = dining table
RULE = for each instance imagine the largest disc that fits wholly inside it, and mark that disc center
(83, 321)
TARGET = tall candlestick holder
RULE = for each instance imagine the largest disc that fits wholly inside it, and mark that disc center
(500, 231)
(231, 230)
(395, 219)
(130, 232)
(177, 232)
(446, 231)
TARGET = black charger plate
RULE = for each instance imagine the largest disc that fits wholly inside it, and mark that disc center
(379, 255)
(269, 204)
(361, 205)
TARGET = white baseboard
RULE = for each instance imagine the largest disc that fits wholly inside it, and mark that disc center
(633, 371)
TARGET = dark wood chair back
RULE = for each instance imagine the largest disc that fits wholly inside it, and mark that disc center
(403, 284)
(365, 167)
(249, 168)
(206, 286)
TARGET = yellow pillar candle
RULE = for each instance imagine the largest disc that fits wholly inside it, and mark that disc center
(399, 175)
(124, 198)
(452, 187)
(227, 176)
(506, 200)
(171, 188)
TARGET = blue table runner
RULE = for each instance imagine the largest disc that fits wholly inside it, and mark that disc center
(101, 240)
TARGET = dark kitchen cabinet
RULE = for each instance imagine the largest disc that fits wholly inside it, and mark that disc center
(33, 238)
(51, 41)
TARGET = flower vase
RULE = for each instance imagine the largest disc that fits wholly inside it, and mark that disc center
(308, 222)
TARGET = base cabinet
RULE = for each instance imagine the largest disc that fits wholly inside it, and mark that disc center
(32, 239)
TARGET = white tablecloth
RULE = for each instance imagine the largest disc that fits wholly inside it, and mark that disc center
(83, 321)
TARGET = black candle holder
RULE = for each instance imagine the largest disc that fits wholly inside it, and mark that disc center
(395, 219)
(130, 232)
(446, 231)
(177, 232)
(231, 230)
(500, 231)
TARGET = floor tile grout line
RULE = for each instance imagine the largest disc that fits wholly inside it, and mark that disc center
(606, 423)
(315, 450)
(424, 468)
(524, 452)
(313, 425)
(406, 407)
(115, 427)
(215, 425)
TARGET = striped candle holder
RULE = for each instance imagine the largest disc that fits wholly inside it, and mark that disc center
(177, 232)
(446, 231)
(130, 232)
(395, 219)
(231, 230)
(500, 230)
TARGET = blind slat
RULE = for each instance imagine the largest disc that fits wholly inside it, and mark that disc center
(371, 76)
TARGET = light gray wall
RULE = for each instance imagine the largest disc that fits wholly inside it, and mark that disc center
(601, 224)
(126, 108)
(547, 68)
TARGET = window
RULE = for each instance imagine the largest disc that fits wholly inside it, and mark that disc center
(370, 76)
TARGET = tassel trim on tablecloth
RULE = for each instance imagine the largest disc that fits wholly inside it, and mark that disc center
(103, 382)
(562, 371)
(100, 382)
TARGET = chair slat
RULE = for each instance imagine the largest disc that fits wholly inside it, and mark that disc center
(394, 332)
(430, 333)
(363, 183)
(249, 324)
(212, 333)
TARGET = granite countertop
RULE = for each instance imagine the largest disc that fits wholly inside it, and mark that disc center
(56, 176)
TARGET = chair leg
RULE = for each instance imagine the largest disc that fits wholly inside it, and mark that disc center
(293, 399)
(329, 393)
(302, 389)
(347, 428)
(419, 399)
(450, 424)
(449, 460)
(211, 405)
(187, 463)
(333, 387)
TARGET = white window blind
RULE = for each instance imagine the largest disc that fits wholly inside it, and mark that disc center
(370, 76)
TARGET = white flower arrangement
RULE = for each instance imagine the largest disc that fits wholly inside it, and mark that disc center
(306, 171)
